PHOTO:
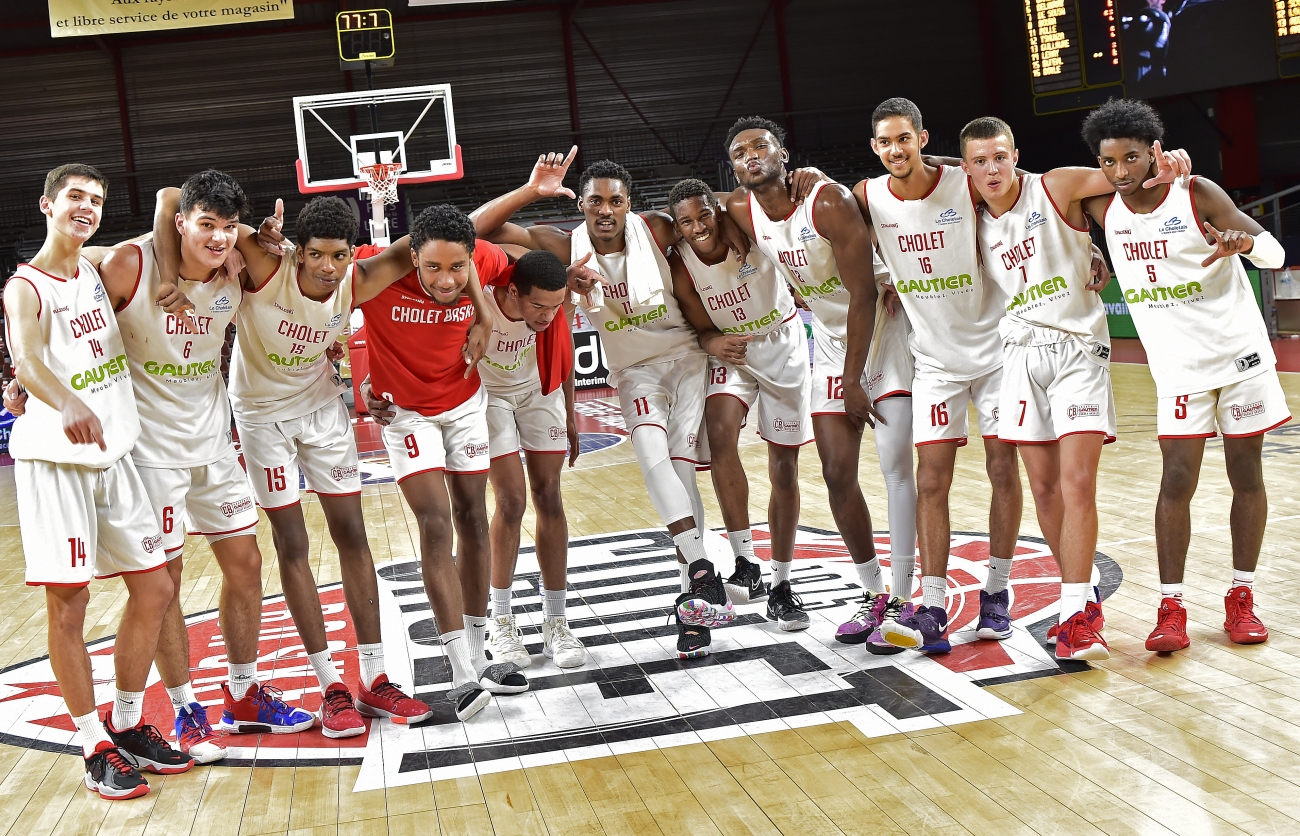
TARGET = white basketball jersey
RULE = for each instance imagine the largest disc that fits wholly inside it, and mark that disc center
(83, 349)
(176, 375)
(806, 259)
(742, 297)
(279, 370)
(509, 366)
(632, 339)
(1200, 326)
(1044, 264)
(931, 248)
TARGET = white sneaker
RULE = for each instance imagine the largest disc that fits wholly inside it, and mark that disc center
(561, 645)
(506, 642)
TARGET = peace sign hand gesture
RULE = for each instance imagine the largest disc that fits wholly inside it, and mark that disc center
(547, 178)
(1232, 242)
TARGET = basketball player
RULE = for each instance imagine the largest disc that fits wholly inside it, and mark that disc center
(923, 221)
(82, 508)
(655, 360)
(1180, 278)
(747, 322)
(824, 250)
(285, 396)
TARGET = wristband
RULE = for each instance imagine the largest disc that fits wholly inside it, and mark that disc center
(1266, 252)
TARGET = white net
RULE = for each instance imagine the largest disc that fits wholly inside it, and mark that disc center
(382, 180)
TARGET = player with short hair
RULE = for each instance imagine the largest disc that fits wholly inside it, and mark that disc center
(759, 355)
(824, 251)
(923, 221)
(655, 360)
(1174, 248)
(82, 508)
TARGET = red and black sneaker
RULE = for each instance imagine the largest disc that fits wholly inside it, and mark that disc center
(147, 750)
(112, 776)
(1078, 641)
(1171, 628)
(1241, 624)
(338, 715)
(384, 699)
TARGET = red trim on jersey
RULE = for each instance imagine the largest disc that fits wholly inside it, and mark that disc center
(139, 273)
(1191, 193)
(726, 395)
(648, 424)
(421, 472)
(840, 414)
(1020, 180)
(177, 550)
(51, 275)
(900, 393)
(1105, 212)
(1059, 213)
(504, 455)
(812, 211)
(280, 507)
(1260, 432)
(1109, 438)
(222, 533)
(278, 262)
(162, 565)
(40, 303)
(1200, 435)
(66, 585)
(889, 185)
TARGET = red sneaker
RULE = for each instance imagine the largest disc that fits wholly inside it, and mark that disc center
(1171, 628)
(1242, 625)
(1077, 640)
(338, 716)
(1095, 618)
(384, 699)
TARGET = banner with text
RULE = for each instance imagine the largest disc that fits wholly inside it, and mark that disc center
(110, 17)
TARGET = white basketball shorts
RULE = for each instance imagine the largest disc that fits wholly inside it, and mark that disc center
(455, 441)
(320, 444)
(776, 374)
(1051, 388)
(939, 407)
(1247, 407)
(530, 421)
(670, 396)
(213, 500)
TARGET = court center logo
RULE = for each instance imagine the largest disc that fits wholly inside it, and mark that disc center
(634, 693)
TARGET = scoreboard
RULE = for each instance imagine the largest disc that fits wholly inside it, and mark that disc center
(365, 35)
(1074, 53)
(1288, 37)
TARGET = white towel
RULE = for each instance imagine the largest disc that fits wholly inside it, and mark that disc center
(646, 266)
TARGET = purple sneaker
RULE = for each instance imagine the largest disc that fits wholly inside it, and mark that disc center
(995, 615)
(876, 644)
(922, 628)
(865, 621)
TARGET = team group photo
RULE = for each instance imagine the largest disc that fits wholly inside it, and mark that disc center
(639, 416)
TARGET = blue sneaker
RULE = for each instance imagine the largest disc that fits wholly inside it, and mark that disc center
(995, 615)
(261, 711)
(194, 735)
(922, 628)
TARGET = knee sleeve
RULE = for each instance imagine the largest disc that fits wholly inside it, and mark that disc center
(894, 447)
(667, 492)
(686, 473)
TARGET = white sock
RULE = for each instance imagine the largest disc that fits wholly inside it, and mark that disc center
(128, 708)
(691, 544)
(242, 678)
(742, 545)
(999, 575)
(933, 589)
(1240, 578)
(869, 575)
(1094, 584)
(902, 568)
(371, 657)
(500, 602)
(475, 633)
(686, 579)
(91, 730)
(780, 572)
(1172, 590)
(553, 601)
(1074, 597)
(453, 644)
(323, 664)
(182, 695)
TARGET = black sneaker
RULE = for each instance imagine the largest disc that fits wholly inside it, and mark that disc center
(785, 607)
(112, 776)
(147, 750)
(469, 700)
(502, 678)
(746, 584)
(705, 604)
(692, 642)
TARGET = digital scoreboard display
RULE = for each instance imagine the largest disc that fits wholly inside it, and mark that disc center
(365, 35)
(1288, 37)
(1074, 53)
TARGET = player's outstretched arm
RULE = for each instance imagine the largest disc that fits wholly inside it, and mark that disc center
(1231, 230)
(1072, 184)
(371, 275)
(491, 220)
(22, 309)
(840, 220)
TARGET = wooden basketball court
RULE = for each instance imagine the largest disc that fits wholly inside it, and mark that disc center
(1205, 741)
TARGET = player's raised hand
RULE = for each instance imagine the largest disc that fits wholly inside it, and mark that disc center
(857, 406)
(174, 301)
(1231, 242)
(547, 178)
(15, 398)
(575, 441)
(583, 278)
(1170, 165)
(381, 410)
(80, 425)
(729, 348)
(1100, 272)
(269, 235)
(802, 181)
(476, 343)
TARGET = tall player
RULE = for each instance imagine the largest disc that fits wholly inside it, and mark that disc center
(824, 250)
(759, 355)
(1174, 249)
(82, 508)
(923, 220)
(654, 358)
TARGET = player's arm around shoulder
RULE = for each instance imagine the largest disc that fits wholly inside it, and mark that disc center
(736, 207)
(371, 276)
(120, 271)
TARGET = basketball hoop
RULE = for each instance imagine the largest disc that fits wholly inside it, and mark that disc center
(381, 179)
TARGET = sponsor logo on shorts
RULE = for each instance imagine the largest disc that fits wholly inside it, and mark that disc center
(1035, 221)
(1174, 224)
(340, 474)
(473, 450)
(692, 440)
(1102, 351)
(783, 426)
(1250, 361)
(557, 433)
(806, 235)
(949, 217)
(1084, 410)
(230, 509)
(995, 413)
(221, 304)
(1250, 410)
(151, 543)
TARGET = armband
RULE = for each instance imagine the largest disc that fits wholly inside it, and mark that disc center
(1266, 252)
